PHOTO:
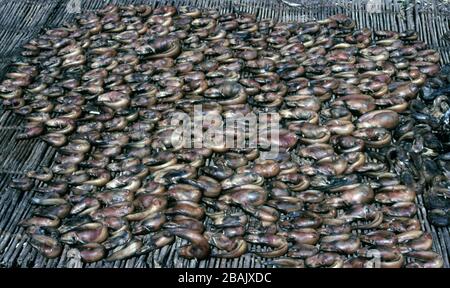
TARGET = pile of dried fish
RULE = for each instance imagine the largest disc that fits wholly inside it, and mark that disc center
(428, 137)
(340, 192)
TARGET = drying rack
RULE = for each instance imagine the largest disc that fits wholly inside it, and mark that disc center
(21, 20)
